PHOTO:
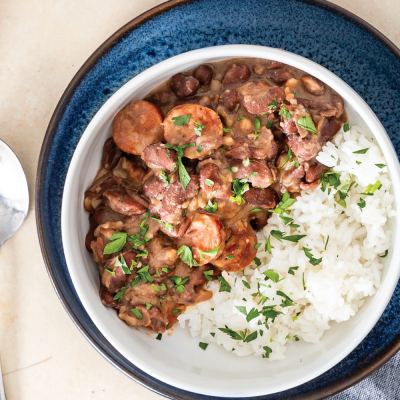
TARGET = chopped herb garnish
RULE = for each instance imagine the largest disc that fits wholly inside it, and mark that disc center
(282, 236)
(213, 252)
(224, 285)
(246, 162)
(120, 262)
(362, 151)
(226, 129)
(241, 309)
(187, 256)
(230, 257)
(268, 246)
(256, 210)
(148, 306)
(239, 187)
(166, 270)
(179, 282)
(212, 334)
(166, 226)
(163, 287)
(346, 127)
(183, 174)
(284, 204)
(292, 269)
(257, 123)
(176, 311)
(358, 162)
(272, 106)
(271, 274)
(159, 336)
(198, 128)
(240, 118)
(208, 274)
(181, 120)
(231, 168)
(304, 285)
(327, 240)
(135, 281)
(155, 288)
(380, 165)
(257, 261)
(210, 207)
(285, 112)
(136, 312)
(257, 245)
(312, 260)
(203, 346)
(200, 148)
(268, 351)
(385, 254)
(269, 124)
(209, 182)
(361, 204)
(307, 123)
(164, 177)
(289, 156)
(118, 240)
(296, 93)
(120, 294)
(120, 199)
(287, 302)
(286, 220)
(369, 191)
(144, 274)
(246, 284)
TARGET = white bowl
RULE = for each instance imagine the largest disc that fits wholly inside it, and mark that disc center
(177, 359)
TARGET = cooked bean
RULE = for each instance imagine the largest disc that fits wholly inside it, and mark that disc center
(321, 107)
(137, 126)
(241, 247)
(160, 98)
(184, 86)
(337, 102)
(105, 214)
(236, 74)
(262, 198)
(203, 74)
(281, 75)
(313, 85)
(261, 66)
(257, 96)
(314, 172)
(154, 187)
(263, 177)
(107, 299)
(328, 127)
(158, 156)
(228, 100)
(113, 283)
(211, 134)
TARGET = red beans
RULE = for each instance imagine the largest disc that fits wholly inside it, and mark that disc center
(111, 154)
(203, 74)
(236, 74)
(184, 86)
(314, 172)
(281, 75)
(210, 137)
(158, 156)
(328, 127)
(305, 148)
(228, 100)
(257, 172)
(257, 96)
(262, 198)
(212, 181)
(313, 85)
(137, 126)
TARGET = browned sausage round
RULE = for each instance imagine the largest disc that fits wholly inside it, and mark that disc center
(262, 198)
(236, 74)
(263, 176)
(120, 201)
(157, 156)
(240, 245)
(211, 134)
(313, 85)
(212, 181)
(113, 283)
(137, 126)
(205, 233)
(315, 171)
(305, 148)
(111, 154)
(257, 96)
(154, 187)
(184, 86)
(203, 74)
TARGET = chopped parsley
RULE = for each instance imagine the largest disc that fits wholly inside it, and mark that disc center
(287, 302)
(164, 177)
(268, 246)
(166, 226)
(200, 148)
(240, 118)
(327, 240)
(181, 120)
(226, 129)
(267, 350)
(213, 252)
(361, 204)
(362, 151)
(118, 240)
(380, 165)
(207, 274)
(271, 274)
(256, 210)
(292, 269)
(369, 191)
(272, 106)
(224, 285)
(179, 283)
(241, 335)
(203, 346)
(257, 261)
(159, 336)
(187, 255)
(346, 127)
(230, 256)
(176, 311)
(289, 156)
(209, 182)
(144, 274)
(282, 236)
(312, 260)
(148, 306)
(284, 204)
(120, 262)
(183, 174)
(269, 124)
(136, 312)
(307, 123)
(120, 294)
(239, 187)
(246, 162)
(285, 112)
(385, 254)
(246, 284)
(198, 128)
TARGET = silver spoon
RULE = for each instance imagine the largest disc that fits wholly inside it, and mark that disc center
(14, 203)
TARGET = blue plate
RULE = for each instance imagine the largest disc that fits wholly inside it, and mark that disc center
(315, 29)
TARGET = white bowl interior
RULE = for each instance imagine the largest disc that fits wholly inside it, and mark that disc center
(177, 358)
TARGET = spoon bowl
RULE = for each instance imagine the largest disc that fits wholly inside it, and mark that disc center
(14, 194)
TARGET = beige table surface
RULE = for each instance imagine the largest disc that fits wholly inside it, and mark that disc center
(42, 45)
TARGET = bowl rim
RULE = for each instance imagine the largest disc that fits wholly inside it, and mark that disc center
(322, 392)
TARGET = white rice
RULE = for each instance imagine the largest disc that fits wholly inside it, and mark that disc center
(336, 288)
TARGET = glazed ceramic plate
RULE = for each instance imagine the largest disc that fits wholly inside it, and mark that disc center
(366, 61)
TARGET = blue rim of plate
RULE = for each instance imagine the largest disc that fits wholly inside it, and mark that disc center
(63, 134)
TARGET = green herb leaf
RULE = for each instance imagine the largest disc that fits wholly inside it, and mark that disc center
(187, 256)
(238, 189)
(208, 274)
(118, 241)
(224, 285)
(120, 262)
(241, 309)
(164, 177)
(271, 274)
(246, 284)
(168, 227)
(213, 252)
(256, 210)
(203, 346)
(359, 162)
(176, 311)
(148, 306)
(257, 123)
(327, 240)
(268, 246)
(226, 129)
(292, 269)
(253, 313)
(120, 294)
(183, 174)
(346, 127)
(159, 336)
(287, 302)
(272, 106)
(181, 120)
(209, 182)
(240, 118)
(257, 245)
(285, 112)
(304, 285)
(385, 254)
(269, 124)
(289, 156)
(363, 151)
(246, 162)
(286, 220)
(230, 256)
(251, 337)
(380, 165)
(135, 281)
(234, 335)
(312, 260)
(198, 128)
(136, 312)
(210, 207)
(257, 261)
(370, 188)
(200, 148)
(268, 351)
(361, 204)
(307, 123)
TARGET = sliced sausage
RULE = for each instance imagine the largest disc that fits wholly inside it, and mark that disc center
(137, 126)
(120, 201)
(111, 154)
(113, 283)
(313, 85)
(212, 181)
(262, 198)
(174, 199)
(239, 250)
(263, 176)
(105, 214)
(154, 187)
(211, 134)
(184, 86)
(158, 156)
(228, 100)
(205, 233)
(203, 74)
(257, 96)
(305, 148)
(236, 74)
